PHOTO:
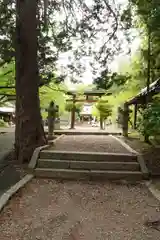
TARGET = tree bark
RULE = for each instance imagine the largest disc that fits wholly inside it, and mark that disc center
(29, 132)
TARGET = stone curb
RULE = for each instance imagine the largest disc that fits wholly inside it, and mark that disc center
(155, 192)
(143, 166)
(35, 155)
(9, 193)
(125, 145)
(140, 159)
(52, 142)
(33, 162)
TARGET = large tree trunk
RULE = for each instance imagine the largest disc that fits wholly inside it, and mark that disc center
(29, 132)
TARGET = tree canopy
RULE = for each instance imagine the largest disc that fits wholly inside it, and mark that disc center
(68, 26)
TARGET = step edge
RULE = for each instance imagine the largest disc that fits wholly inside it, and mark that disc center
(94, 162)
(87, 171)
(89, 153)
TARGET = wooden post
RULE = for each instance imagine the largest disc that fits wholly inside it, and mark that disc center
(125, 120)
(51, 120)
(135, 116)
(73, 113)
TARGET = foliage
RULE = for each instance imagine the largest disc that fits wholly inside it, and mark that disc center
(148, 23)
(134, 82)
(46, 54)
(7, 74)
(146, 15)
(48, 92)
(67, 26)
(149, 121)
(104, 108)
(95, 111)
(53, 92)
(2, 123)
(107, 79)
(7, 82)
(69, 106)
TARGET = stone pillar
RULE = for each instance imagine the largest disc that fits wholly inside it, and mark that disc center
(57, 122)
(51, 120)
(120, 117)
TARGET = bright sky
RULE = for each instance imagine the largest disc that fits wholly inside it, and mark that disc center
(123, 58)
(114, 66)
(87, 77)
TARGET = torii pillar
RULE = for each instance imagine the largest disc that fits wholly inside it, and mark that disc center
(73, 113)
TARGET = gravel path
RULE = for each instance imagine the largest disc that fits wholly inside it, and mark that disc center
(89, 143)
(48, 210)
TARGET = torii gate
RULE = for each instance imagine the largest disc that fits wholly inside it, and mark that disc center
(89, 94)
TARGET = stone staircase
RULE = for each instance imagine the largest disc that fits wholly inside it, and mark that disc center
(88, 166)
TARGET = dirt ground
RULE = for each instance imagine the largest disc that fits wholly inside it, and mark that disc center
(89, 143)
(48, 210)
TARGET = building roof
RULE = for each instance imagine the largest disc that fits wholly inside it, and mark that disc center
(89, 92)
(154, 89)
(7, 110)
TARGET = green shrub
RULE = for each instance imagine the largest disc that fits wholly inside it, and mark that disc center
(104, 109)
(69, 106)
(149, 121)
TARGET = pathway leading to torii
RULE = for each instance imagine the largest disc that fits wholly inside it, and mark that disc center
(89, 143)
(82, 210)
(84, 129)
(87, 156)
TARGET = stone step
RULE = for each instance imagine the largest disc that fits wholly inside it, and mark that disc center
(97, 133)
(88, 165)
(88, 175)
(88, 156)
